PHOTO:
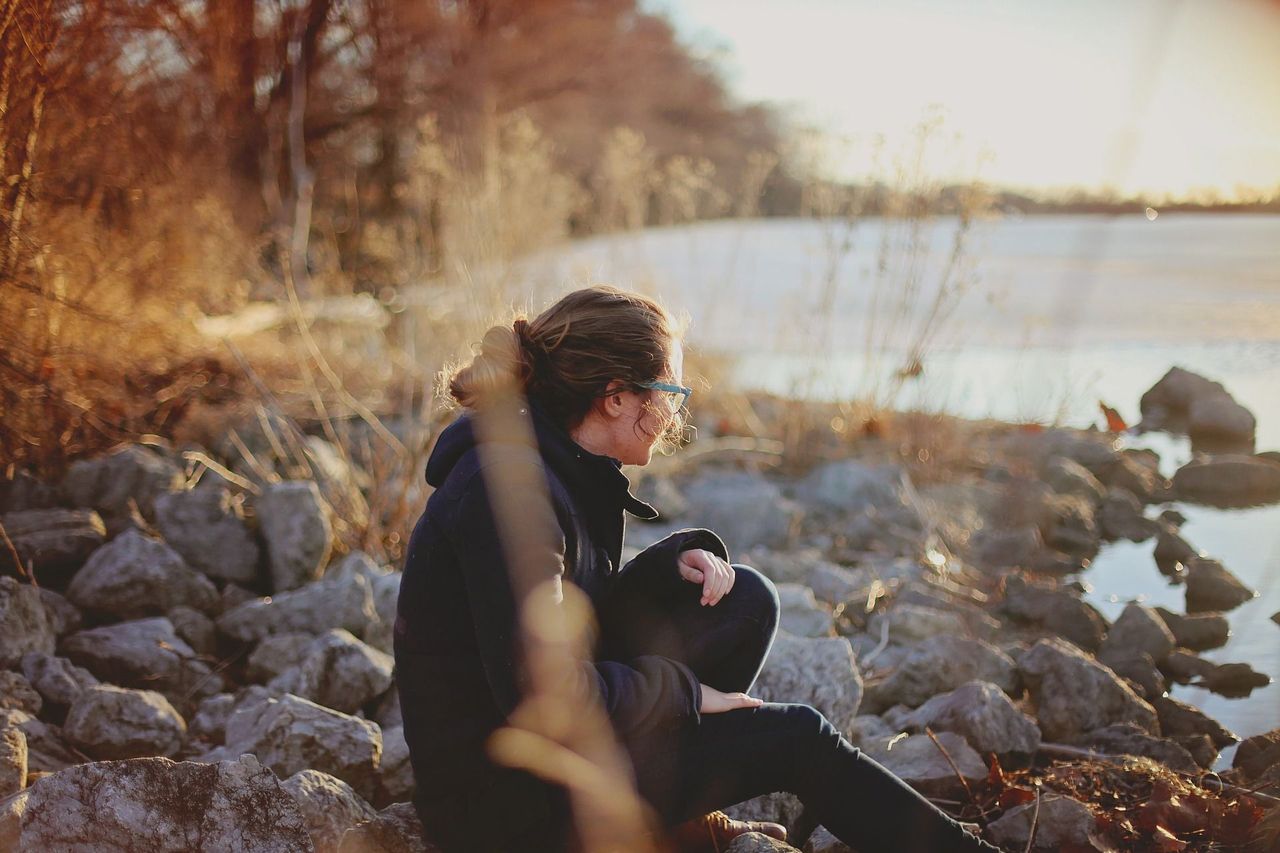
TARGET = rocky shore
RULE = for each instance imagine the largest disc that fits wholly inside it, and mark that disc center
(198, 668)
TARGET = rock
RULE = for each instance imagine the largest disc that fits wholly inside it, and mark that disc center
(1060, 823)
(1136, 667)
(1171, 549)
(340, 672)
(233, 595)
(134, 576)
(822, 841)
(345, 602)
(275, 654)
(1200, 747)
(1129, 739)
(388, 714)
(386, 592)
(57, 680)
(109, 722)
(47, 749)
(1183, 667)
(1074, 694)
(53, 543)
(108, 483)
(1068, 477)
(801, 615)
(13, 765)
(1234, 679)
(837, 584)
(21, 491)
(745, 509)
(144, 653)
(1210, 587)
(1228, 480)
(1177, 718)
(1198, 632)
(1074, 527)
(910, 624)
(24, 624)
(1124, 472)
(395, 829)
(1139, 629)
(757, 842)
(1121, 517)
(64, 617)
(329, 806)
(206, 526)
(18, 694)
(291, 734)
(919, 762)
(210, 720)
(984, 715)
(818, 672)
(194, 627)
(397, 782)
(938, 665)
(1219, 417)
(294, 522)
(157, 804)
(850, 486)
(1257, 754)
(1003, 549)
(660, 493)
(1055, 608)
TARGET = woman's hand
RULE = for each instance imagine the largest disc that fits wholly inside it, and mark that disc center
(713, 701)
(701, 566)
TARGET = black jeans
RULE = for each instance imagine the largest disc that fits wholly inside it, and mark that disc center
(780, 746)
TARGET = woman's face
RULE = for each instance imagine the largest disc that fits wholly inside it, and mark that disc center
(645, 415)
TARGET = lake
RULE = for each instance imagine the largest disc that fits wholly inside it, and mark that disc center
(1041, 318)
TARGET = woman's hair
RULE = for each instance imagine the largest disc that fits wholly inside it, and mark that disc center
(566, 356)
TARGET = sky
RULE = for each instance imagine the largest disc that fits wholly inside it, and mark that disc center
(1156, 96)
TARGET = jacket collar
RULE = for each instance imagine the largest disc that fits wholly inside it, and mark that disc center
(589, 475)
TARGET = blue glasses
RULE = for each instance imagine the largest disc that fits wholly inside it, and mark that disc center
(675, 395)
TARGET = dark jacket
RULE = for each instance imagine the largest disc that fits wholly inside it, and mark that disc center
(455, 635)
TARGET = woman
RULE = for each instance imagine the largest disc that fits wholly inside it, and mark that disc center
(683, 632)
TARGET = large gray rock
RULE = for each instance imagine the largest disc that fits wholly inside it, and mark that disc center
(1178, 719)
(209, 723)
(1228, 480)
(1055, 608)
(147, 654)
(339, 672)
(291, 734)
(24, 624)
(395, 829)
(54, 543)
(1139, 629)
(195, 627)
(64, 617)
(1257, 754)
(938, 665)
(1121, 517)
(1220, 417)
(1198, 631)
(1210, 587)
(757, 842)
(802, 615)
(984, 715)
(820, 672)
(47, 748)
(341, 602)
(1069, 477)
(274, 655)
(991, 549)
(1188, 402)
(294, 521)
(919, 762)
(1172, 549)
(1074, 694)
(57, 680)
(848, 485)
(1060, 822)
(911, 624)
(386, 592)
(13, 763)
(156, 804)
(329, 806)
(1129, 739)
(108, 483)
(109, 722)
(745, 509)
(134, 575)
(206, 526)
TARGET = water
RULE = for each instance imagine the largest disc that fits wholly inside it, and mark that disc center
(1056, 314)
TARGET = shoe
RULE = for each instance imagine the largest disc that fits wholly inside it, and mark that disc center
(712, 833)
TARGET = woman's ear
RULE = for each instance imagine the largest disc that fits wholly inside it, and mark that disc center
(612, 401)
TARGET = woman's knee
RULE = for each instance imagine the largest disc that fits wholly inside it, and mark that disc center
(757, 594)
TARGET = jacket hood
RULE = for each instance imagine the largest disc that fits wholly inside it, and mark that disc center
(586, 474)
